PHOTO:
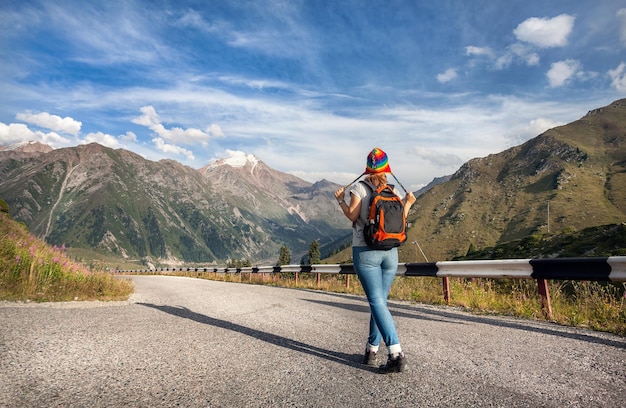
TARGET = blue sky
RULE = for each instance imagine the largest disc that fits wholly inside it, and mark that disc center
(309, 87)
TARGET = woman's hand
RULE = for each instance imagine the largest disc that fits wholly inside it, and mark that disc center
(340, 194)
(351, 211)
(409, 199)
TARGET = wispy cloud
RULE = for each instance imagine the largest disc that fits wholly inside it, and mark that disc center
(308, 89)
(190, 136)
(517, 53)
(447, 76)
(472, 50)
(173, 149)
(438, 158)
(618, 77)
(110, 33)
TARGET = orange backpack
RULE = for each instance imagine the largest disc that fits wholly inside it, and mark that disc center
(385, 227)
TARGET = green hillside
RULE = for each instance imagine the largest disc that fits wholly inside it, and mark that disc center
(567, 179)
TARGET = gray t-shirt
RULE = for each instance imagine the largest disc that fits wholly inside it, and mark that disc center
(365, 194)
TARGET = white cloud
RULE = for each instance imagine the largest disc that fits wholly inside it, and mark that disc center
(14, 133)
(149, 117)
(618, 77)
(215, 131)
(170, 148)
(19, 132)
(540, 125)
(545, 32)
(447, 76)
(479, 51)
(562, 71)
(535, 127)
(103, 139)
(129, 137)
(52, 122)
(189, 136)
(621, 16)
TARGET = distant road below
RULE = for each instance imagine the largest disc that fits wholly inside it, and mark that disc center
(199, 343)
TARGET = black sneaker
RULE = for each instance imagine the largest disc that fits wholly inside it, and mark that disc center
(394, 365)
(370, 358)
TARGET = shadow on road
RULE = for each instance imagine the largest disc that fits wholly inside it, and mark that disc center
(447, 317)
(366, 309)
(352, 360)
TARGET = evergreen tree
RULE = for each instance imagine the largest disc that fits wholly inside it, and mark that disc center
(314, 253)
(238, 263)
(285, 256)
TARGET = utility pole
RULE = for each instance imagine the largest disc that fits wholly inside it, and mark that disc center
(420, 248)
(548, 216)
(445, 281)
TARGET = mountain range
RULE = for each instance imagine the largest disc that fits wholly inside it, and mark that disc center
(114, 201)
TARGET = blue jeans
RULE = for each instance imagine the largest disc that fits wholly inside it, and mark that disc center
(376, 271)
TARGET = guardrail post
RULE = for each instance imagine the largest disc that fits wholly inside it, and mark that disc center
(347, 281)
(446, 289)
(319, 279)
(544, 294)
(296, 278)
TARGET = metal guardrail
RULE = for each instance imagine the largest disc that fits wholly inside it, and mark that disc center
(601, 269)
(591, 269)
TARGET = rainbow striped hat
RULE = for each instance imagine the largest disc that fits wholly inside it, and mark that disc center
(377, 162)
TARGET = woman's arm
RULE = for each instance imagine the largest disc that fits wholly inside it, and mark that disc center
(351, 211)
(409, 199)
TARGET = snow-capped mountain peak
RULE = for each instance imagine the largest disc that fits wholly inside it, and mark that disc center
(27, 147)
(235, 159)
(240, 159)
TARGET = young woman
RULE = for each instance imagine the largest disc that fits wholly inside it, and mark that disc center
(376, 269)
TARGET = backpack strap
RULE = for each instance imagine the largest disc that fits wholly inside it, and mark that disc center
(368, 185)
(371, 190)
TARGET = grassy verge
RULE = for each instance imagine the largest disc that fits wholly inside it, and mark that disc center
(32, 270)
(600, 306)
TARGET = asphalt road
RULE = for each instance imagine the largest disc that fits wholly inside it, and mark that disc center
(198, 343)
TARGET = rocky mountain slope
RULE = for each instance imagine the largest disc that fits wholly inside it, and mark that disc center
(566, 179)
(115, 201)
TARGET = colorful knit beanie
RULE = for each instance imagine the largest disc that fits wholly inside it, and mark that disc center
(377, 162)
